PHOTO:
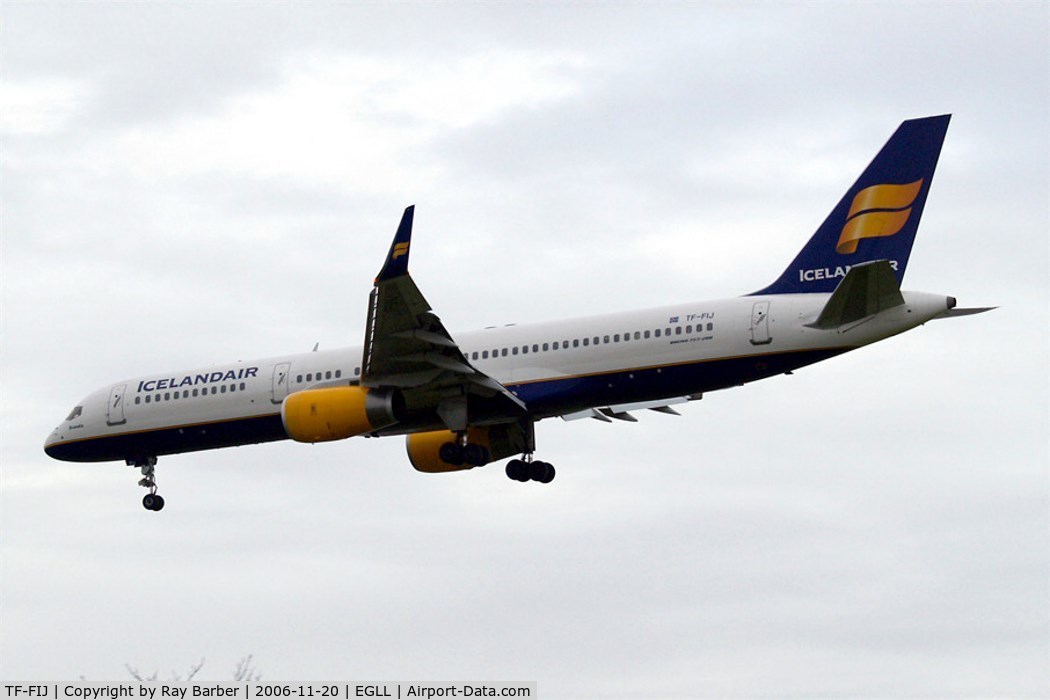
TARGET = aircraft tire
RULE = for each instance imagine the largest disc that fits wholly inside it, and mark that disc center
(518, 470)
(152, 501)
(451, 453)
(542, 472)
(548, 475)
(476, 455)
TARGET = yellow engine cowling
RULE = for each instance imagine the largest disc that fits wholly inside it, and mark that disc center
(423, 448)
(336, 413)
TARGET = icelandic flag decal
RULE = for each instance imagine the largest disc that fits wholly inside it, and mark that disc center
(673, 319)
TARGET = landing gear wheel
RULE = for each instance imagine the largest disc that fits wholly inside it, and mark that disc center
(451, 453)
(475, 455)
(518, 470)
(152, 501)
(542, 472)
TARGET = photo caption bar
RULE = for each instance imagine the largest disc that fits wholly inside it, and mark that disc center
(153, 690)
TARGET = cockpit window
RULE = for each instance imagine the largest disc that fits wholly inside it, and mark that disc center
(75, 413)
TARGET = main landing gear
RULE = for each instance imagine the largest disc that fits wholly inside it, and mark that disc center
(148, 467)
(463, 452)
(528, 469)
(460, 452)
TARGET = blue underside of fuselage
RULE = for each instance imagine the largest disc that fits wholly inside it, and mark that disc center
(559, 396)
(544, 398)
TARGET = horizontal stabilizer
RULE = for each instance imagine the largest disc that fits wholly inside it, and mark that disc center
(866, 290)
(952, 313)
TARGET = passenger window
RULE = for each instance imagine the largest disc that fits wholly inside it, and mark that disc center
(524, 349)
(515, 350)
(586, 342)
(667, 331)
(637, 335)
(242, 386)
(556, 345)
(138, 399)
(222, 388)
(597, 340)
(338, 373)
(616, 338)
(214, 390)
(194, 393)
(167, 396)
(546, 347)
(657, 331)
(147, 398)
(576, 342)
(299, 379)
(689, 329)
(504, 353)
(536, 348)
(176, 397)
(357, 371)
(485, 355)
(710, 326)
(678, 330)
(474, 355)
(606, 339)
(647, 335)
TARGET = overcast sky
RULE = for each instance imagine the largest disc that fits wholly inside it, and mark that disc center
(187, 184)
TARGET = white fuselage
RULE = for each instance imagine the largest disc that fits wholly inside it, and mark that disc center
(555, 368)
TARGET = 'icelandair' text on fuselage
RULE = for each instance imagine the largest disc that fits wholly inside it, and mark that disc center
(826, 273)
(197, 379)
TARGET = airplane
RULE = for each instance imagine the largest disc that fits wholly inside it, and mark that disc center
(468, 399)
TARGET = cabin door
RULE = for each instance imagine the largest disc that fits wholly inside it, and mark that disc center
(760, 323)
(280, 381)
(115, 409)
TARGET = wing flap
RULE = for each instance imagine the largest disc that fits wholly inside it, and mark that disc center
(623, 411)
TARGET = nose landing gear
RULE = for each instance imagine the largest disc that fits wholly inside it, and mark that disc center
(148, 467)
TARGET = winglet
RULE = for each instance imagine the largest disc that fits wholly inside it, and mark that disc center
(397, 259)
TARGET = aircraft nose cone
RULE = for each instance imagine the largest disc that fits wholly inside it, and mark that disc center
(52, 446)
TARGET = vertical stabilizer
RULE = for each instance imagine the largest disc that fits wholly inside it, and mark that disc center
(878, 216)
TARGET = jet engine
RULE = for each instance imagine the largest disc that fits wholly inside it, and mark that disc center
(336, 413)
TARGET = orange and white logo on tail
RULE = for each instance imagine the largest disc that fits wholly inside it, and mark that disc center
(879, 210)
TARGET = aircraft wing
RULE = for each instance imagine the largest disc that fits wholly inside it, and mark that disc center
(406, 346)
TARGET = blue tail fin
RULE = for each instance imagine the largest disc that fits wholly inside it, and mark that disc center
(878, 216)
